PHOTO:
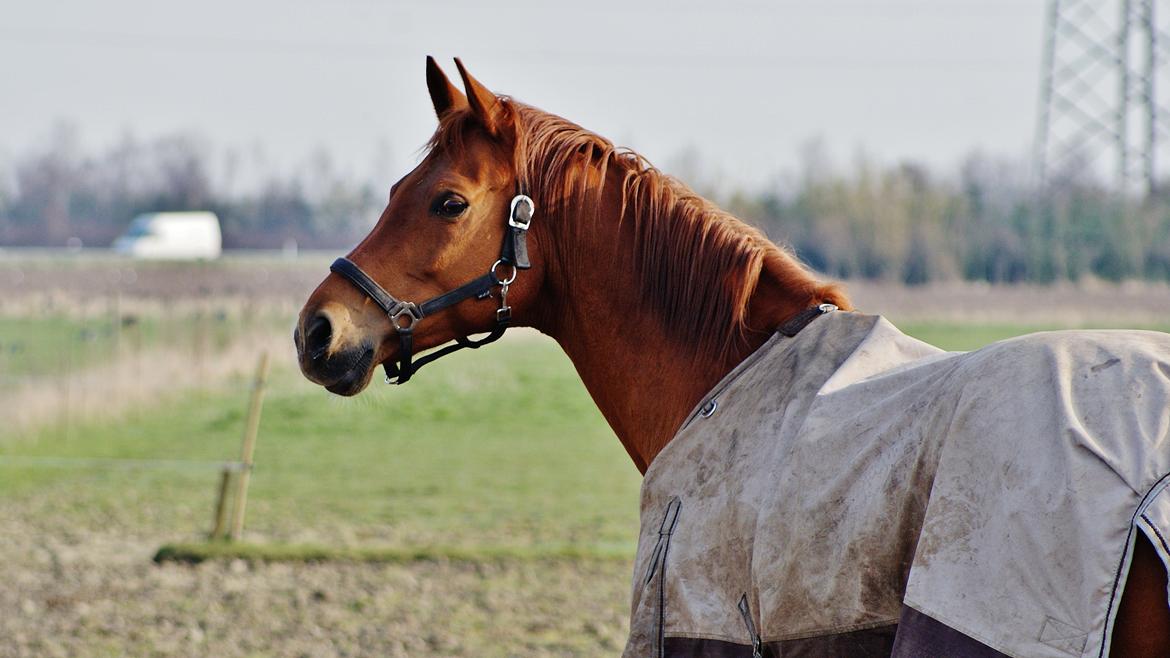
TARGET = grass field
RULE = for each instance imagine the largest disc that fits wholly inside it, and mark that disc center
(963, 337)
(484, 509)
(57, 344)
(439, 462)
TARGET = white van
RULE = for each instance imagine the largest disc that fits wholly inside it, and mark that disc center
(172, 235)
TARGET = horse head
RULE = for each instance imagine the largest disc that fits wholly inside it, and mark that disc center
(441, 232)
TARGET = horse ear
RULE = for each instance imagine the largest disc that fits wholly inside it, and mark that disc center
(444, 95)
(483, 102)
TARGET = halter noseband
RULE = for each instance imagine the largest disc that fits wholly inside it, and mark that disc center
(405, 315)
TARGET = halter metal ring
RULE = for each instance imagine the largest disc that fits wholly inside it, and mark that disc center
(509, 280)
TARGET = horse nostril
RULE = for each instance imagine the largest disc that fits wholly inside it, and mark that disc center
(318, 336)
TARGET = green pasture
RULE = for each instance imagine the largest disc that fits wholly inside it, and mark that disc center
(495, 452)
(496, 448)
(57, 344)
(963, 337)
(54, 344)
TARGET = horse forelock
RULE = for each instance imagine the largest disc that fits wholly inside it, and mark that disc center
(698, 265)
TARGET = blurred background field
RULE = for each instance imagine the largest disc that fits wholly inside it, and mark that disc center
(485, 509)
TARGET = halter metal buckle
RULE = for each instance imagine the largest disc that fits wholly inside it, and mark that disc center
(404, 308)
(521, 212)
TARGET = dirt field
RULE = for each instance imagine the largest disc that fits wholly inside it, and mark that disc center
(1133, 303)
(99, 276)
(68, 593)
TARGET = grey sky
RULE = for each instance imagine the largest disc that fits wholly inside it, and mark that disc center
(744, 83)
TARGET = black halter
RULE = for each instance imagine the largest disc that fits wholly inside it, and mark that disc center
(405, 315)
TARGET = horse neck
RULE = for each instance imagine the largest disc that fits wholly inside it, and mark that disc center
(644, 379)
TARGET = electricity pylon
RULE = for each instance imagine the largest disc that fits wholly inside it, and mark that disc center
(1104, 94)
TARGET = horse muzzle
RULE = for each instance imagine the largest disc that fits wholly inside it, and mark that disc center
(341, 369)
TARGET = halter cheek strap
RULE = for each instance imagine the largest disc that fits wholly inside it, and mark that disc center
(405, 315)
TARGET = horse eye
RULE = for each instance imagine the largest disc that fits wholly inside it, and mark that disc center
(450, 206)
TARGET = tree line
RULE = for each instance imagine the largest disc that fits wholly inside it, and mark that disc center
(55, 195)
(891, 222)
(900, 223)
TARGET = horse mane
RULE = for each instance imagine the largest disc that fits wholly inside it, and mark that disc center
(699, 265)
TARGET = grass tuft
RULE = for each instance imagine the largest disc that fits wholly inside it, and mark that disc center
(196, 553)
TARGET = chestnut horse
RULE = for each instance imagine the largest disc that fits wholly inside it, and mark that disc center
(653, 292)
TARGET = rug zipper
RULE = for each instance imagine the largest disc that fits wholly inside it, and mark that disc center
(746, 611)
(658, 566)
(665, 530)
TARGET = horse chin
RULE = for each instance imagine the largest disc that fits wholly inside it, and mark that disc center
(355, 379)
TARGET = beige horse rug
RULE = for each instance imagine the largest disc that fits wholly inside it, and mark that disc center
(853, 491)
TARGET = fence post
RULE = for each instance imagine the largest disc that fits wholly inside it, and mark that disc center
(217, 530)
(250, 429)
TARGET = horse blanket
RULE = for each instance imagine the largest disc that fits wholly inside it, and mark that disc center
(853, 491)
